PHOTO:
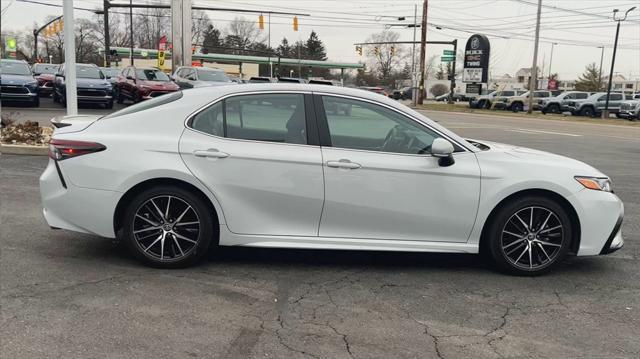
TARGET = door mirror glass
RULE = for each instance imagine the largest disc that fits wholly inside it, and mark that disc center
(443, 150)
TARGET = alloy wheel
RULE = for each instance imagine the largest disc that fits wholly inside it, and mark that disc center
(166, 228)
(532, 238)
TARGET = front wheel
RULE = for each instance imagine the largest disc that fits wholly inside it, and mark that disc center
(529, 236)
(587, 112)
(517, 107)
(168, 227)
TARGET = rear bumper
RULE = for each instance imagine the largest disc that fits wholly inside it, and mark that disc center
(78, 209)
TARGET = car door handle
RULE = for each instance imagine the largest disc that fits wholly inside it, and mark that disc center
(343, 163)
(211, 153)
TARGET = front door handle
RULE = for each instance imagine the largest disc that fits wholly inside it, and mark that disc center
(211, 153)
(343, 163)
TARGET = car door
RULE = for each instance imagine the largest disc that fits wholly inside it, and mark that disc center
(382, 183)
(615, 101)
(255, 154)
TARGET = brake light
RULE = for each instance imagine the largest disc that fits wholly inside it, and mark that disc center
(62, 149)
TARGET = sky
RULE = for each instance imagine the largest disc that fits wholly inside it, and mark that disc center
(577, 27)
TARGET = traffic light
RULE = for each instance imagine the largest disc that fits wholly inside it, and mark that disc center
(359, 50)
(376, 50)
(261, 22)
(295, 23)
(193, 49)
(393, 50)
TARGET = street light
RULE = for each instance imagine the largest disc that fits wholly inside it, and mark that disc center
(605, 113)
(600, 71)
(551, 59)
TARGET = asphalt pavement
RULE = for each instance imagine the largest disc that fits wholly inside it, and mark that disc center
(72, 295)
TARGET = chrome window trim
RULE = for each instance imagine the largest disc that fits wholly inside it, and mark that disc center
(269, 92)
(414, 119)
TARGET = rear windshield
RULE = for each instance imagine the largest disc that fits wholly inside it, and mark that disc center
(110, 71)
(152, 75)
(216, 76)
(45, 69)
(145, 105)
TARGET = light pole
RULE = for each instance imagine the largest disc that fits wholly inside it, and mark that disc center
(605, 113)
(551, 59)
(600, 72)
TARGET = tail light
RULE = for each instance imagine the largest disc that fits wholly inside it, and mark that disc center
(62, 149)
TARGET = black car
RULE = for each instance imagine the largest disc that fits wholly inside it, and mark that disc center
(17, 82)
(405, 93)
(92, 86)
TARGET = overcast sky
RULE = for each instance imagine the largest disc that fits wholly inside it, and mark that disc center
(578, 27)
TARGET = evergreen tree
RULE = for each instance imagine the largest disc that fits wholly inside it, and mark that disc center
(590, 79)
(315, 48)
(212, 40)
(284, 49)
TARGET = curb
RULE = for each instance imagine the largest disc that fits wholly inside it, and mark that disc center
(24, 150)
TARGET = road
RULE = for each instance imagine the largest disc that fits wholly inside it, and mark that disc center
(78, 296)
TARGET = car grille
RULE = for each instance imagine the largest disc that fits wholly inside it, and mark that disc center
(92, 93)
(158, 93)
(627, 106)
(15, 89)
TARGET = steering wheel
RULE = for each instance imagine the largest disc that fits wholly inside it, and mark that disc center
(394, 137)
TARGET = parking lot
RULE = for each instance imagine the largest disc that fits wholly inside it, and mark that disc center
(78, 296)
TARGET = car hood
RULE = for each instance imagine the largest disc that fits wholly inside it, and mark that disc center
(532, 158)
(159, 85)
(16, 79)
(92, 83)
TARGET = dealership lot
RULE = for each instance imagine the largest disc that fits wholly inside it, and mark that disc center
(77, 296)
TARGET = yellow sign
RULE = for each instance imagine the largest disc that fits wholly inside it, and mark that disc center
(161, 60)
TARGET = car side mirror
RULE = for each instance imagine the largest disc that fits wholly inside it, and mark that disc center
(130, 78)
(108, 77)
(443, 150)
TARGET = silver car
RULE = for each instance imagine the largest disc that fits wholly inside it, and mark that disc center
(189, 77)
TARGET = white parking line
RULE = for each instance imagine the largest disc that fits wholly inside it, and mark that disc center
(526, 130)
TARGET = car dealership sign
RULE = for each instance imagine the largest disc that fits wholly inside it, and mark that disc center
(476, 59)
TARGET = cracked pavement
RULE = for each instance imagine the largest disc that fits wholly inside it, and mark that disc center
(71, 295)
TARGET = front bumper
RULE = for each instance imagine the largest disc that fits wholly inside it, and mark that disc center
(31, 96)
(615, 240)
(630, 115)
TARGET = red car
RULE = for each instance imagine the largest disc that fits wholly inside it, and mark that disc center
(141, 83)
(45, 74)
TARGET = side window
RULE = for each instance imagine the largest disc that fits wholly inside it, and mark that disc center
(364, 126)
(581, 96)
(570, 97)
(210, 120)
(190, 73)
(616, 97)
(268, 117)
(179, 72)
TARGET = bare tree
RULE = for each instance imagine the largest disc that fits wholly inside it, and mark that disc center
(242, 33)
(149, 26)
(118, 34)
(199, 26)
(385, 58)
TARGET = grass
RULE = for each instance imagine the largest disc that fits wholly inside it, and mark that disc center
(501, 113)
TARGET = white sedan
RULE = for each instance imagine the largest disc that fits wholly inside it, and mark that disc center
(317, 167)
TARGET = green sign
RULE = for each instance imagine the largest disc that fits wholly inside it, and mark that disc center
(448, 52)
(10, 44)
(446, 59)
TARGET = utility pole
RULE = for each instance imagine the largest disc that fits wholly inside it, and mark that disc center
(414, 79)
(600, 72)
(605, 113)
(423, 49)
(71, 94)
(551, 59)
(181, 33)
(533, 80)
(107, 39)
(453, 71)
(131, 27)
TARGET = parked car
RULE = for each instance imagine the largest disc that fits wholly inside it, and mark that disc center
(483, 101)
(376, 89)
(261, 79)
(294, 80)
(45, 74)
(501, 97)
(630, 110)
(91, 84)
(595, 104)
(112, 74)
(226, 166)
(558, 104)
(517, 103)
(189, 77)
(456, 97)
(17, 82)
(142, 83)
(405, 93)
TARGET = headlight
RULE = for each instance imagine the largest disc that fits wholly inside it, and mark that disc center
(595, 183)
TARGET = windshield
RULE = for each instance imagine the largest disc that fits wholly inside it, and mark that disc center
(111, 72)
(45, 69)
(152, 75)
(88, 72)
(15, 68)
(207, 75)
(506, 93)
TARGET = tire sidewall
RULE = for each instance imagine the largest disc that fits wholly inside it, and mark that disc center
(208, 228)
(503, 215)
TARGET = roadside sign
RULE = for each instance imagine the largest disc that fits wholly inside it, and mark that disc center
(446, 58)
(476, 59)
(448, 53)
(144, 53)
(472, 75)
(196, 64)
(10, 44)
(162, 46)
(474, 89)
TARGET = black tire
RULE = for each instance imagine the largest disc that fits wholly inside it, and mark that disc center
(587, 112)
(109, 105)
(205, 232)
(136, 97)
(54, 97)
(554, 108)
(118, 96)
(500, 244)
(618, 115)
(517, 107)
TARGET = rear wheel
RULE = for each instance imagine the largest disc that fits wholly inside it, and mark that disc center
(529, 236)
(517, 107)
(587, 112)
(554, 108)
(168, 227)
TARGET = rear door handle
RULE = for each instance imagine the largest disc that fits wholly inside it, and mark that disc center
(343, 163)
(211, 153)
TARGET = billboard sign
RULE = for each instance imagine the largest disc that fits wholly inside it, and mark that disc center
(476, 59)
